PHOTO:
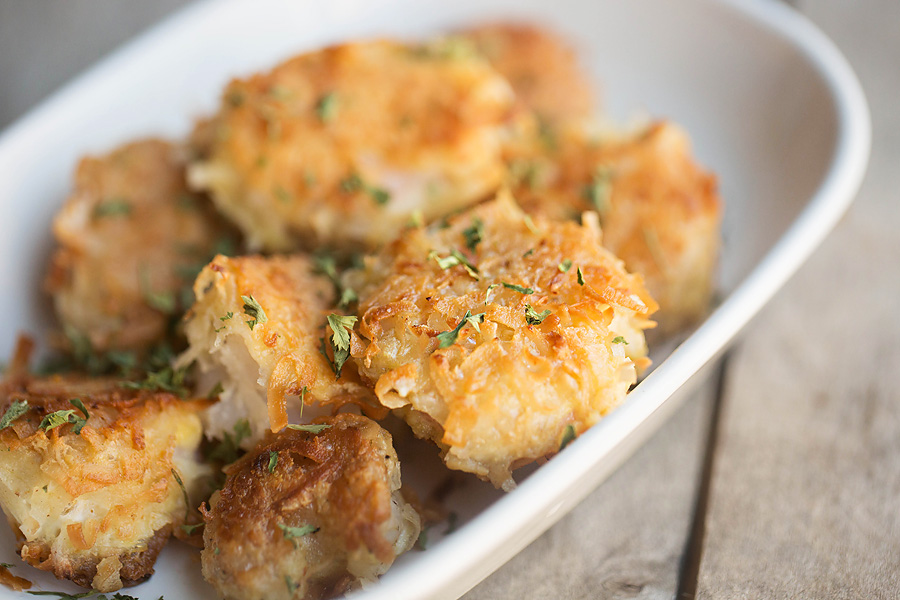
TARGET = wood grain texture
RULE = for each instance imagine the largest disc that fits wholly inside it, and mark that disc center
(806, 478)
(626, 540)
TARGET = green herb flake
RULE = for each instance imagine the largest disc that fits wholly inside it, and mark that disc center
(273, 460)
(282, 194)
(599, 191)
(564, 266)
(235, 98)
(348, 297)
(620, 340)
(253, 310)
(416, 219)
(456, 258)
(568, 437)
(528, 253)
(293, 533)
(190, 529)
(7, 565)
(339, 340)
(187, 502)
(291, 586)
(15, 410)
(354, 183)
(448, 338)
(326, 107)
(309, 428)
(114, 207)
(165, 378)
(532, 317)
(487, 292)
(474, 234)
(61, 417)
(517, 288)
(228, 449)
(216, 391)
(380, 195)
(580, 276)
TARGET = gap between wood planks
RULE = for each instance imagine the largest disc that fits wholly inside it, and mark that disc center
(689, 572)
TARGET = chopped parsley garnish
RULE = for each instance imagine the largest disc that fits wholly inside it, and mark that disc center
(273, 460)
(487, 292)
(448, 338)
(309, 428)
(326, 107)
(528, 253)
(547, 135)
(456, 258)
(599, 190)
(620, 340)
(61, 417)
(348, 297)
(354, 183)
(580, 276)
(282, 194)
(339, 340)
(235, 98)
(564, 266)
(216, 391)
(517, 288)
(166, 378)
(253, 310)
(533, 317)
(291, 586)
(15, 410)
(7, 565)
(568, 437)
(190, 529)
(474, 234)
(416, 219)
(187, 501)
(228, 449)
(163, 301)
(292, 533)
(115, 207)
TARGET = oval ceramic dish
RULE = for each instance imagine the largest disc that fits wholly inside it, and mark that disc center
(771, 105)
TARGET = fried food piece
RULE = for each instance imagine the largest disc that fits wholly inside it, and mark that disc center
(660, 212)
(309, 515)
(540, 66)
(95, 501)
(257, 328)
(342, 146)
(482, 337)
(130, 237)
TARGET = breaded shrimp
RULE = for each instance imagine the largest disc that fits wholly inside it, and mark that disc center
(309, 515)
(494, 334)
(341, 147)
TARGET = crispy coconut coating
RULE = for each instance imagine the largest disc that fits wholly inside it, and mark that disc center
(257, 329)
(660, 212)
(342, 146)
(540, 66)
(309, 515)
(539, 352)
(131, 237)
(96, 506)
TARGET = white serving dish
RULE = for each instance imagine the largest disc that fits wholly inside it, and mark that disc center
(772, 106)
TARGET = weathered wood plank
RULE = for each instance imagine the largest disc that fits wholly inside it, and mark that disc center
(806, 478)
(627, 538)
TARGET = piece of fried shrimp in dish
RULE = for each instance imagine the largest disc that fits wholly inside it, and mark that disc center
(491, 334)
(308, 514)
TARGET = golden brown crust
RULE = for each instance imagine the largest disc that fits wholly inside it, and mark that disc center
(130, 238)
(97, 506)
(660, 212)
(505, 391)
(340, 147)
(343, 482)
(264, 369)
(540, 66)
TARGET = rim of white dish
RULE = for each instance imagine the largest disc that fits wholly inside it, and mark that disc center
(491, 539)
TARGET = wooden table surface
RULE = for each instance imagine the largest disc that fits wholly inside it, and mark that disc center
(781, 477)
